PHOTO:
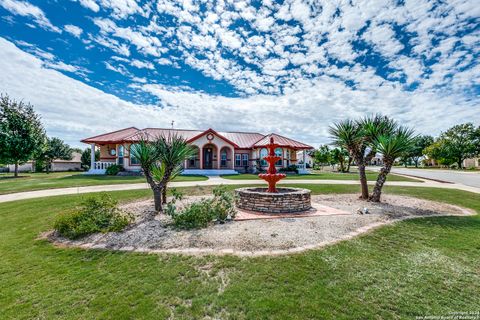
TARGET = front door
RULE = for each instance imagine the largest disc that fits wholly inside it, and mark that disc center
(208, 158)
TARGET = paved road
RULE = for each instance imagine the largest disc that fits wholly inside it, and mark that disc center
(471, 179)
(215, 181)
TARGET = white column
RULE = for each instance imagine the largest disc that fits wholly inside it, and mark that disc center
(233, 159)
(92, 156)
(304, 154)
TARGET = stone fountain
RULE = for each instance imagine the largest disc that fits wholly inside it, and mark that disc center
(272, 199)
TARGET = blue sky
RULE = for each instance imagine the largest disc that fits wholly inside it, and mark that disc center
(292, 67)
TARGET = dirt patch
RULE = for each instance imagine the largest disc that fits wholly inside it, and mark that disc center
(263, 237)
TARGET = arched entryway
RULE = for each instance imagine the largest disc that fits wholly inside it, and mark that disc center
(209, 153)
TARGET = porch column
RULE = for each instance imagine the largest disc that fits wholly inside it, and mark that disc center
(304, 159)
(92, 156)
(218, 158)
(185, 164)
(200, 153)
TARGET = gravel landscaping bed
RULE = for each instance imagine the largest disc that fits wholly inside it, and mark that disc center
(260, 237)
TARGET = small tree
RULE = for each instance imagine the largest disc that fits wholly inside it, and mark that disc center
(22, 135)
(322, 156)
(55, 149)
(419, 145)
(340, 156)
(86, 159)
(161, 159)
(391, 146)
(461, 142)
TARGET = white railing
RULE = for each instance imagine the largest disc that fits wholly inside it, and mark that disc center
(100, 165)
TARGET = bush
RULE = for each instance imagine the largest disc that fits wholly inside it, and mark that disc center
(96, 214)
(200, 214)
(114, 169)
(290, 169)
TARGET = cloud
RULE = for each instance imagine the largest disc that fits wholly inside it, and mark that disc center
(26, 9)
(73, 110)
(74, 30)
(90, 4)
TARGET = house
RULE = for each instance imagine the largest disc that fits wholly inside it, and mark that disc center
(75, 164)
(471, 163)
(216, 152)
(308, 159)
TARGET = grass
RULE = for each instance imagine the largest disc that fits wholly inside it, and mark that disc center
(413, 268)
(40, 181)
(371, 176)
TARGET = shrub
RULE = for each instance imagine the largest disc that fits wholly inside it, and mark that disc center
(201, 213)
(96, 214)
(114, 169)
(290, 168)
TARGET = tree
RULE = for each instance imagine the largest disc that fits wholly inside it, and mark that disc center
(391, 146)
(322, 155)
(417, 151)
(55, 148)
(340, 156)
(161, 159)
(357, 138)
(461, 142)
(439, 152)
(86, 159)
(22, 135)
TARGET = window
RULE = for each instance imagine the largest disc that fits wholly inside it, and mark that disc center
(263, 154)
(238, 160)
(223, 158)
(279, 153)
(133, 160)
(120, 155)
(193, 158)
(245, 159)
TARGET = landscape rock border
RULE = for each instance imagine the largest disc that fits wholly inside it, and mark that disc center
(353, 232)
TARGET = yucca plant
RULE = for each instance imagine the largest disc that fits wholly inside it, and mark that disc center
(161, 160)
(349, 134)
(391, 146)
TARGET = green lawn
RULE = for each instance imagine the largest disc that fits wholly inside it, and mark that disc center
(417, 267)
(39, 181)
(371, 176)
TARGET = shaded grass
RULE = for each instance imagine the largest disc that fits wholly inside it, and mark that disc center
(371, 176)
(417, 267)
(40, 181)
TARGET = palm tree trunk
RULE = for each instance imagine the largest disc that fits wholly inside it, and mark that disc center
(15, 172)
(350, 159)
(363, 179)
(157, 198)
(164, 195)
(382, 177)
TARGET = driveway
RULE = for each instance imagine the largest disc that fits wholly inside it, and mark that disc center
(471, 179)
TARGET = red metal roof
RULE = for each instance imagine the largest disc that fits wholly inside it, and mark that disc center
(114, 136)
(281, 141)
(242, 140)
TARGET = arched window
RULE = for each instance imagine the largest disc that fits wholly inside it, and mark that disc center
(279, 153)
(263, 154)
(223, 158)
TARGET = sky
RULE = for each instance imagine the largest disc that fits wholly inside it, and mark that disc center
(290, 67)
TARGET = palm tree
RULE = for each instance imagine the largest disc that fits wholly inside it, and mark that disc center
(161, 159)
(349, 134)
(358, 137)
(391, 146)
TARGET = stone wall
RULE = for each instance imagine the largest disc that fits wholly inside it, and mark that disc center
(287, 200)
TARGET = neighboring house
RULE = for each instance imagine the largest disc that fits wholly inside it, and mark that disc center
(308, 159)
(376, 161)
(75, 164)
(471, 163)
(216, 152)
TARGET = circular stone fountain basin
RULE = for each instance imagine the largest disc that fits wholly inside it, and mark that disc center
(286, 200)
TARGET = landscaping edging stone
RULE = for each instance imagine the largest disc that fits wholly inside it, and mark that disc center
(287, 200)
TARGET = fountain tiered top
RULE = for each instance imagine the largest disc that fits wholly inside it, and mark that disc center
(272, 177)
